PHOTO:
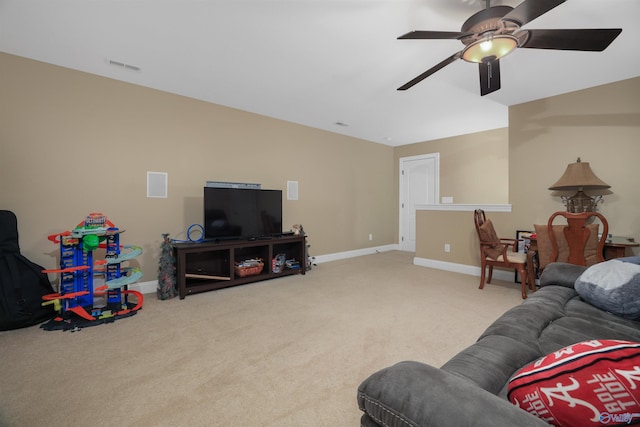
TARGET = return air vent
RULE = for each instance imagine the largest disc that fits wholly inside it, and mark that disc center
(123, 65)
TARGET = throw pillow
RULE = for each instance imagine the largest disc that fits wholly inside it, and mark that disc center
(561, 274)
(613, 286)
(632, 259)
(591, 383)
(488, 234)
(545, 248)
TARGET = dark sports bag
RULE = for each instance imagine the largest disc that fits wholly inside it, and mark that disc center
(22, 283)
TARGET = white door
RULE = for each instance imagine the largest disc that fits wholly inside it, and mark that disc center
(418, 186)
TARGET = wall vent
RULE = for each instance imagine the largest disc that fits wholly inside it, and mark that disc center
(123, 65)
(157, 183)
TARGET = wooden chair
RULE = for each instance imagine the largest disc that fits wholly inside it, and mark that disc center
(579, 239)
(496, 252)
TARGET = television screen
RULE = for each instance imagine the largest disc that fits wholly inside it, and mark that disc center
(241, 212)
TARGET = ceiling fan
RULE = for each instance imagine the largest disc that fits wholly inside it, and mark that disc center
(494, 32)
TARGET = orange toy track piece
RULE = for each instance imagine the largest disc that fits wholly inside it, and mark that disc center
(81, 312)
(51, 297)
(138, 305)
(54, 237)
(98, 291)
(67, 270)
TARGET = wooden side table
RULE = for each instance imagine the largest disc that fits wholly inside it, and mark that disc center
(614, 247)
(617, 246)
(531, 267)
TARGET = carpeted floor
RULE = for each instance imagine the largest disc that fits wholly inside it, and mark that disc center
(285, 352)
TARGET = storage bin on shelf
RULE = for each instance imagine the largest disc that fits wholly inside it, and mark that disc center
(249, 267)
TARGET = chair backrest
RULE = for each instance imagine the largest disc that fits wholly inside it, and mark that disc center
(489, 241)
(577, 234)
(479, 218)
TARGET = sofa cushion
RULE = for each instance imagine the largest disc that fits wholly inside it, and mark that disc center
(561, 274)
(591, 383)
(613, 286)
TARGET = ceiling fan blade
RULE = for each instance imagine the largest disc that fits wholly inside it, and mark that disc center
(433, 35)
(529, 10)
(595, 40)
(430, 71)
(489, 76)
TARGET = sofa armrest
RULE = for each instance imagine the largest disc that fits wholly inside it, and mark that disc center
(411, 394)
(561, 274)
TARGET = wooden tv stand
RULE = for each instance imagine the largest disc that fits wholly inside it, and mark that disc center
(206, 266)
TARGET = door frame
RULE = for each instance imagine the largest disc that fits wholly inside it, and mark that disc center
(401, 195)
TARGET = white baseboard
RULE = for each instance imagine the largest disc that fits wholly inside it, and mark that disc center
(145, 287)
(354, 253)
(151, 287)
(504, 275)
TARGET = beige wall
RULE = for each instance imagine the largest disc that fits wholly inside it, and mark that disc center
(453, 228)
(601, 125)
(467, 162)
(74, 143)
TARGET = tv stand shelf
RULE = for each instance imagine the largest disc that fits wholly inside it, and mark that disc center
(207, 266)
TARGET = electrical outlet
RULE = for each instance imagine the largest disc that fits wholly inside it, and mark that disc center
(370, 236)
(447, 247)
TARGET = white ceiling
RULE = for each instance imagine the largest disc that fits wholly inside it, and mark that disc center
(319, 62)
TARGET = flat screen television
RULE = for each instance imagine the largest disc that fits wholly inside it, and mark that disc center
(241, 213)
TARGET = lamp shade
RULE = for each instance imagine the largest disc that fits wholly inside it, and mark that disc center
(579, 176)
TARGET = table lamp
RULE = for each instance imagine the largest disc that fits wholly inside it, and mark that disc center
(580, 178)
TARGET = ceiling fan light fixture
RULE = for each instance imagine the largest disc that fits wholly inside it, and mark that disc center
(491, 47)
(496, 31)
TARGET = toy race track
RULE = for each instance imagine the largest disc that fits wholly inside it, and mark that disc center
(78, 304)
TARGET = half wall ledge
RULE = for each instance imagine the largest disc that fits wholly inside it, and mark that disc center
(457, 267)
(464, 207)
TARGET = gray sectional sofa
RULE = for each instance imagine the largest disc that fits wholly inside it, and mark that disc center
(471, 388)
